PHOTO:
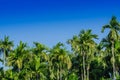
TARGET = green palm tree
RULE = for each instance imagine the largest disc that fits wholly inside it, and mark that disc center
(83, 44)
(5, 47)
(41, 51)
(76, 59)
(16, 57)
(114, 28)
(60, 62)
(88, 43)
(40, 61)
(19, 61)
(37, 68)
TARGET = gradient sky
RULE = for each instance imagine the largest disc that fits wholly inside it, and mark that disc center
(52, 21)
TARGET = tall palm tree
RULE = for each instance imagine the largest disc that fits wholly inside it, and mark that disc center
(41, 51)
(60, 62)
(114, 28)
(19, 61)
(77, 65)
(5, 47)
(88, 43)
(16, 57)
(40, 60)
(83, 45)
(37, 68)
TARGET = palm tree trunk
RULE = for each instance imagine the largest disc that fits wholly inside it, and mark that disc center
(113, 64)
(81, 74)
(60, 71)
(84, 71)
(57, 74)
(88, 67)
(4, 62)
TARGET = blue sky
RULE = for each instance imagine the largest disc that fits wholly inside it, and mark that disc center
(52, 21)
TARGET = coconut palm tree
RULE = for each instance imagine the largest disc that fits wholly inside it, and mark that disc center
(114, 28)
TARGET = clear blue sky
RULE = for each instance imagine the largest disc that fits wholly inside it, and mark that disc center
(52, 21)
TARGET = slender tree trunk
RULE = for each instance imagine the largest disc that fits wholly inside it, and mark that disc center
(88, 64)
(81, 74)
(84, 70)
(113, 64)
(88, 67)
(60, 72)
(4, 61)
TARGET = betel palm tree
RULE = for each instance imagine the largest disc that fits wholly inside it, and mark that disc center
(98, 64)
(106, 44)
(83, 45)
(88, 43)
(35, 69)
(117, 58)
(77, 59)
(60, 62)
(114, 28)
(16, 57)
(5, 47)
(40, 61)
(41, 51)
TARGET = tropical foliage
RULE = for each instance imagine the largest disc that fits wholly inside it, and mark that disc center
(87, 60)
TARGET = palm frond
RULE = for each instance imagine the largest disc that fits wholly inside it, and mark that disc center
(104, 27)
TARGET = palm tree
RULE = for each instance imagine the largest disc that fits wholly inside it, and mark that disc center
(37, 68)
(114, 28)
(40, 61)
(41, 51)
(5, 47)
(87, 40)
(77, 65)
(83, 45)
(60, 62)
(16, 57)
(20, 60)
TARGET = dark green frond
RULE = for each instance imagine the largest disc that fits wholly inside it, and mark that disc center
(104, 27)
